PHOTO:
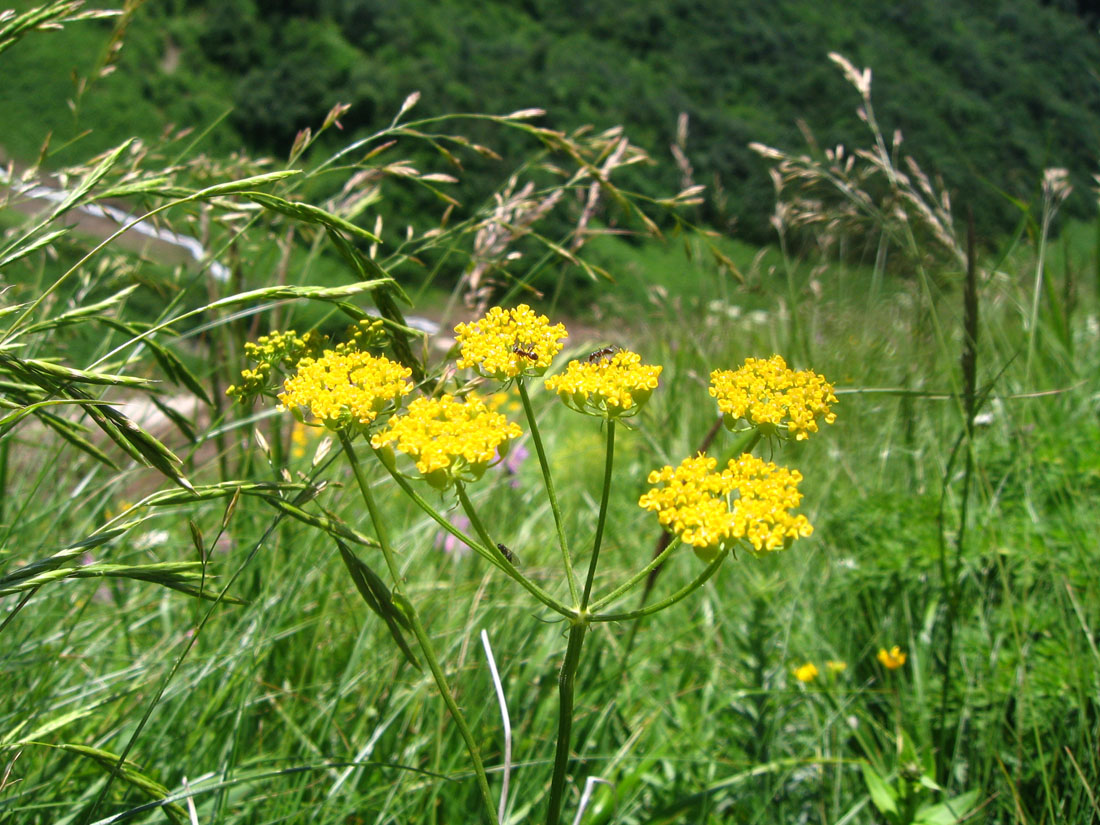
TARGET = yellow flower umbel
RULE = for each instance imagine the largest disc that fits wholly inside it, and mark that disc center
(271, 352)
(772, 397)
(509, 343)
(613, 387)
(348, 388)
(449, 440)
(806, 673)
(891, 659)
(750, 500)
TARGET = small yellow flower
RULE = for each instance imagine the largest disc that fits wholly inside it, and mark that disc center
(836, 667)
(806, 673)
(750, 500)
(772, 397)
(892, 659)
(509, 343)
(614, 387)
(449, 440)
(346, 388)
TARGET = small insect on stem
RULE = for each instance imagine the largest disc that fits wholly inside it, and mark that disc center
(607, 352)
(525, 351)
(508, 554)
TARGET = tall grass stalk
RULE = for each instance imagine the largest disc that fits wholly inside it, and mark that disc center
(968, 364)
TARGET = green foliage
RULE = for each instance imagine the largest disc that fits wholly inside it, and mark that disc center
(990, 96)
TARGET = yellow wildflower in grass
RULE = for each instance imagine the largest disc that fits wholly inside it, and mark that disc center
(806, 673)
(750, 499)
(614, 387)
(772, 397)
(835, 667)
(891, 659)
(507, 343)
(449, 440)
(346, 388)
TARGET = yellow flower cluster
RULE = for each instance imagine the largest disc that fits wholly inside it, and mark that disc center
(613, 387)
(346, 388)
(508, 343)
(891, 659)
(750, 499)
(770, 396)
(279, 349)
(450, 440)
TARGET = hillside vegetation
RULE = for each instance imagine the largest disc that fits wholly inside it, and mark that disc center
(990, 93)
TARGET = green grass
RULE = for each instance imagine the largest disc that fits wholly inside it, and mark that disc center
(272, 700)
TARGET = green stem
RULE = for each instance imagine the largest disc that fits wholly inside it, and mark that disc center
(482, 550)
(418, 629)
(570, 574)
(566, 680)
(504, 563)
(698, 582)
(632, 582)
(568, 676)
(608, 463)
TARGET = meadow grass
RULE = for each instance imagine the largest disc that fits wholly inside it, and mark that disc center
(180, 639)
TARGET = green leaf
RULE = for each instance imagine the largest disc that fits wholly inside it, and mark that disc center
(35, 371)
(63, 556)
(71, 432)
(10, 740)
(882, 795)
(949, 812)
(160, 185)
(92, 311)
(32, 409)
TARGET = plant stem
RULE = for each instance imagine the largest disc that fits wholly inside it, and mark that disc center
(568, 676)
(632, 582)
(418, 629)
(502, 561)
(656, 607)
(482, 550)
(950, 583)
(609, 461)
(570, 574)
(566, 680)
